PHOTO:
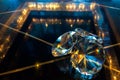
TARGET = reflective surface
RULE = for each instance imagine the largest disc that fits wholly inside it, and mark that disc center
(87, 55)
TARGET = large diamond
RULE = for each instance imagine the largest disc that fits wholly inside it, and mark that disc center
(87, 54)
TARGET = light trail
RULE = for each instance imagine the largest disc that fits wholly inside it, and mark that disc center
(113, 45)
(10, 12)
(16, 30)
(113, 69)
(108, 6)
(33, 66)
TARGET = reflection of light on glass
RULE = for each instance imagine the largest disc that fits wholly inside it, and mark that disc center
(8, 38)
(41, 20)
(40, 5)
(97, 50)
(58, 45)
(96, 17)
(34, 20)
(70, 20)
(114, 78)
(31, 5)
(52, 6)
(71, 6)
(82, 6)
(24, 11)
(71, 25)
(1, 47)
(46, 25)
(37, 65)
(80, 21)
(19, 19)
(77, 20)
(110, 61)
(92, 6)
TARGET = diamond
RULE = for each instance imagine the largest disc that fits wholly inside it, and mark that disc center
(87, 54)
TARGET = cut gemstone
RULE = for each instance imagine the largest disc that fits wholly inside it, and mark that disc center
(87, 54)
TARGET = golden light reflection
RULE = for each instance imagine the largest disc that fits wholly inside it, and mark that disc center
(8, 38)
(37, 65)
(1, 47)
(76, 52)
(71, 6)
(97, 50)
(95, 17)
(92, 6)
(110, 61)
(82, 6)
(114, 78)
(58, 45)
(24, 12)
(32, 5)
(112, 69)
(52, 6)
(40, 5)
(19, 19)
(46, 25)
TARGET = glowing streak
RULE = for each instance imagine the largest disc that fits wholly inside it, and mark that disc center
(26, 34)
(33, 66)
(113, 69)
(10, 11)
(110, 46)
(108, 6)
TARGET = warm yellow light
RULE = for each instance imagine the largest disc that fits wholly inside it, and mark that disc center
(40, 5)
(76, 52)
(34, 20)
(97, 50)
(46, 24)
(19, 19)
(70, 20)
(32, 5)
(82, 6)
(53, 6)
(8, 38)
(1, 47)
(92, 6)
(71, 6)
(110, 61)
(78, 20)
(95, 17)
(114, 77)
(37, 65)
(24, 11)
(58, 45)
(98, 17)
